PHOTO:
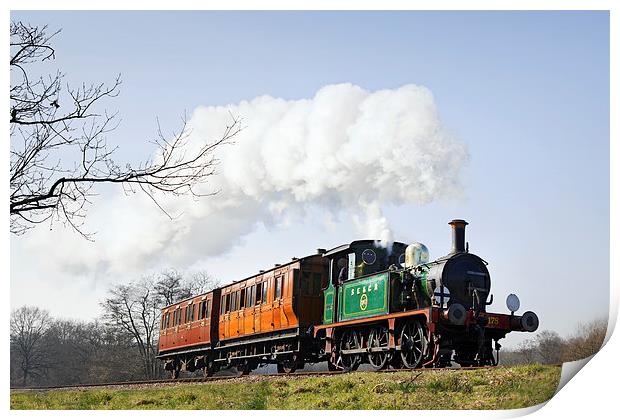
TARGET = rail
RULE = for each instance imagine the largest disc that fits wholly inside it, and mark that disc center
(228, 378)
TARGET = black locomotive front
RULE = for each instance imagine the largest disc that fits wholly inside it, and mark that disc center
(459, 277)
(459, 286)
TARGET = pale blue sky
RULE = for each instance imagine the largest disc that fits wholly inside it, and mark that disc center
(527, 92)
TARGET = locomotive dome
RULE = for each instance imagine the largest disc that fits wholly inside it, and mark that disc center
(416, 254)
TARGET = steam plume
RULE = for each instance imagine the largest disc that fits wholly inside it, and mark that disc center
(346, 149)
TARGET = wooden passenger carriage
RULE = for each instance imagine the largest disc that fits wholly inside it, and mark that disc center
(192, 322)
(260, 319)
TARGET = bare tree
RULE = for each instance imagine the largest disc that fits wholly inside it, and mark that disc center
(203, 282)
(549, 346)
(59, 149)
(171, 288)
(29, 326)
(587, 341)
(135, 310)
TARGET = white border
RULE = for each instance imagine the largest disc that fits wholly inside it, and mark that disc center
(591, 394)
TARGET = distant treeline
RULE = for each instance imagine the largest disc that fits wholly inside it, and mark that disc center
(120, 346)
(547, 347)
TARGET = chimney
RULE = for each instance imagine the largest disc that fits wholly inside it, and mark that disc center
(321, 251)
(458, 235)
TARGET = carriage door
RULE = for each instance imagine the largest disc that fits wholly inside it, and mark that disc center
(277, 300)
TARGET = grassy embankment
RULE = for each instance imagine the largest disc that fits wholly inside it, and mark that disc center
(499, 388)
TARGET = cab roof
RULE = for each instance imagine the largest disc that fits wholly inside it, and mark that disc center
(359, 243)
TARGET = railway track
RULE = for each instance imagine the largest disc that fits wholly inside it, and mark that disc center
(229, 378)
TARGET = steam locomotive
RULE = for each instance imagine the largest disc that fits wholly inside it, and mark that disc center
(363, 302)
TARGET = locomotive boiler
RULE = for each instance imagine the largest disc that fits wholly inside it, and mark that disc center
(384, 304)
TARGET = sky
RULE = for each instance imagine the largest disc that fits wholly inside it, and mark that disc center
(357, 123)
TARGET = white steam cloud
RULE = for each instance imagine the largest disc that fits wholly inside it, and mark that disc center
(346, 150)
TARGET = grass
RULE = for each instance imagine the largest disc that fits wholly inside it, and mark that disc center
(499, 388)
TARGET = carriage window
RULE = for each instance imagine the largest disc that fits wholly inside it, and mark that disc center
(168, 320)
(243, 293)
(226, 304)
(248, 297)
(208, 309)
(192, 314)
(265, 292)
(278, 289)
(259, 294)
(253, 297)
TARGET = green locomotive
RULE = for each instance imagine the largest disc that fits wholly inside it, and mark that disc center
(387, 303)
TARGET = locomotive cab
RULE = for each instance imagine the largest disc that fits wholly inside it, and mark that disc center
(362, 258)
(359, 260)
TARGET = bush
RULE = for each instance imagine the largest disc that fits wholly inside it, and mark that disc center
(549, 348)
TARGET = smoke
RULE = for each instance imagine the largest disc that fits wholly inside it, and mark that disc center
(346, 151)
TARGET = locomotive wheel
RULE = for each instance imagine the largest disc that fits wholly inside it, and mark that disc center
(350, 341)
(378, 338)
(412, 344)
(331, 367)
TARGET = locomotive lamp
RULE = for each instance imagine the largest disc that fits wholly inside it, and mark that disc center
(513, 304)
